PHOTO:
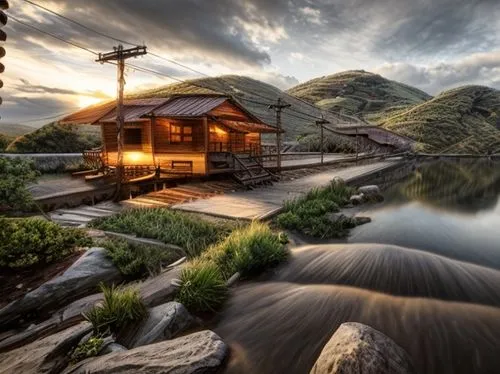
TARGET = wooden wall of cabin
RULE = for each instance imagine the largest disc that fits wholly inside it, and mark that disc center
(230, 112)
(164, 141)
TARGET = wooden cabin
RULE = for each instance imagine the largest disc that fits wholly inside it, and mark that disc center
(195, 134)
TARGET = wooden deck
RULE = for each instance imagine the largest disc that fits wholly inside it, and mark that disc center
(264, 202)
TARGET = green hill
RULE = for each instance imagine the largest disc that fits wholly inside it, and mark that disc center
(13, 130)
(256, 96)
(462, 120)
(358, 93)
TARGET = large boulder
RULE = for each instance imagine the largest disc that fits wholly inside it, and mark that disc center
(47, 355)
(81, 279)
(371, 193)
(202, 352)
(359, 349)
(164, 322)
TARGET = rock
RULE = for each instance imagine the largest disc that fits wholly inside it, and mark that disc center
(164, 322)
(357, 199)
(202, 352)
(337, 181)
(234, 278)
(336, 217)
(47, 355)
(112, 348)
(359, 349)
(369, 190)
(81, 279)
(362, 220)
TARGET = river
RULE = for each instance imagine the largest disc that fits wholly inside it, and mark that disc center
(425, 272)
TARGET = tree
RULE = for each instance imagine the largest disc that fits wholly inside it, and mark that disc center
(4, 142)
(15, 175)
(55, 138)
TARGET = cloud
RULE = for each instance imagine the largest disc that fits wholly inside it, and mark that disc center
(478, 68)
(310, 14)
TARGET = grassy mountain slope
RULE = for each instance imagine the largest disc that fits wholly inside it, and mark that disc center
(359, 93)
(12, 130)
(256, 97)
(462, 120)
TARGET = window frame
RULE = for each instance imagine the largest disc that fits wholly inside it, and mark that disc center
(181, 134)
(140, 137)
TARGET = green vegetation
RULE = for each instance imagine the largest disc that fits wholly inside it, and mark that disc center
(4, 142)
(357, 93)
(55, 138)
(137, 260)
(15, 175)
(462, 120)
(309, 214)
(28, 242)
(332, 143)
(171, 227)
(120, 307)
(203, 287)
(248, 250)
(12, 130)
(90, 348)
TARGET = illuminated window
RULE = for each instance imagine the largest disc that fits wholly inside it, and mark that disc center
(181, 134)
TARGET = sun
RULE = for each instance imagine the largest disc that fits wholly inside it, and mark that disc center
(84, 101)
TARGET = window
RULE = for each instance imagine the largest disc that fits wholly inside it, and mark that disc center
(132, 136)
(181, 134)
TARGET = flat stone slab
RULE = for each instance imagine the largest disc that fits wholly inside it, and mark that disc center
(263, 202)
(201, 352)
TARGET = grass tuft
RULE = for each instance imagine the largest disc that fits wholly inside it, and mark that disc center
(120, 307)
(203, 287)
(309, 214)
(171, 227)
(138, 260)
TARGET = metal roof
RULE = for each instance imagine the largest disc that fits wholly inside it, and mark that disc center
(189, 106)
(95, 113)
(247, 127)
(133, 110)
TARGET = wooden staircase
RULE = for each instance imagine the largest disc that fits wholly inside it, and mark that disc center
(250, 171)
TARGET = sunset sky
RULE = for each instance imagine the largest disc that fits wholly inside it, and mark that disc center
(432, 44)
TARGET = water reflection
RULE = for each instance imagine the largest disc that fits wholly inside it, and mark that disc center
(447, 208)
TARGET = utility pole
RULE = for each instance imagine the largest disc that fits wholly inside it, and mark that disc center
(120, 55)
(320, 123)
(357, 146)
(279, 108)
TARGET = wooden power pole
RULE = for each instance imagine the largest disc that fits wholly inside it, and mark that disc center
(279, 108)
(120, 55)
(320, 123)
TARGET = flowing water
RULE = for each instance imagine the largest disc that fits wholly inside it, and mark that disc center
(426, 272)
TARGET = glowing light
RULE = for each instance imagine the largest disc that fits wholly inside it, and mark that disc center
(134, 157)
(84, 101)
(218, 130)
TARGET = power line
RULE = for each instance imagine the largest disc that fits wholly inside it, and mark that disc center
(79, 24)
(52, 35)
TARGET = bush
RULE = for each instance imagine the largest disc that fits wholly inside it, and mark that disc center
(34, 241)
(309, 214)
(15, 175)
(203, 287)
(90, 348)
(171, 227)
(248, 250)
(54, 138)
(120, 307)
(136, 261)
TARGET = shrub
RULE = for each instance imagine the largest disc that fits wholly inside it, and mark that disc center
(247, 250)
(90, 348)
(120, 307)
(137, 260)
(15, 175)
(54, 138)
(203, 287)
(171, 227)
(34, 241)
(309, 213)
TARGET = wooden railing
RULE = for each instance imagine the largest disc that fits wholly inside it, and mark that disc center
(252, 149)
(94, 159)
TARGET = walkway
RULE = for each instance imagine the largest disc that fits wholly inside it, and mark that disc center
(266, 201)
(310, 160)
